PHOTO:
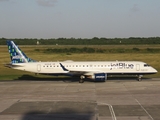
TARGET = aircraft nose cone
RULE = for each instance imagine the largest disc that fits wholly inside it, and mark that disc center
(155, 71)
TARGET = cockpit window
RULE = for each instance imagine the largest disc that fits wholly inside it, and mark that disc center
(146, 65)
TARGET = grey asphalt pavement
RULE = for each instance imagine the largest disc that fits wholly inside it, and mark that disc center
(59, 100)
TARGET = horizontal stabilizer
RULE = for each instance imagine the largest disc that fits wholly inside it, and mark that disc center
(12, 65)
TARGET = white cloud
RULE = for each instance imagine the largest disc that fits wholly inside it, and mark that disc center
(46, 3)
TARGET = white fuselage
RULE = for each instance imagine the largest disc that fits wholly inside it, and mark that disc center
(86, 67)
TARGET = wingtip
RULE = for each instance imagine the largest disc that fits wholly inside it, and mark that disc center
(63, 67)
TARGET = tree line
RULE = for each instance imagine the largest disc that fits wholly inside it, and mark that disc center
(84, 41)
(97, 50)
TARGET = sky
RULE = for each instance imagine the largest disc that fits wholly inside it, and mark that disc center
(79, 18)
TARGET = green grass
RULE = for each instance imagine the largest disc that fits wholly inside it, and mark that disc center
(9, 74)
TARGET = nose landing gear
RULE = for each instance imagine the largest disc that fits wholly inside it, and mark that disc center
(139, 77)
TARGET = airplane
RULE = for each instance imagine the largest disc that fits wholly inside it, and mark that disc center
(94, 70)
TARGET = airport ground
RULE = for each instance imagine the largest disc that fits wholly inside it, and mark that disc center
(115, 99)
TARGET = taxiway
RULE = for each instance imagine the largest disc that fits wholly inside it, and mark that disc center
(59, 100)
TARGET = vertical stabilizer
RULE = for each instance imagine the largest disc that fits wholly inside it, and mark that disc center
(17, 56)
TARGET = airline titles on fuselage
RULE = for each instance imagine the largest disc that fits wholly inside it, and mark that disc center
(122, 65)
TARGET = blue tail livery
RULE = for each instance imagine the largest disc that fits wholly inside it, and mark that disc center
(16, 55)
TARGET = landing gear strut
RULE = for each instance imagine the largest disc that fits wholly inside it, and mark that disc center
(81, 79)
(140, 77)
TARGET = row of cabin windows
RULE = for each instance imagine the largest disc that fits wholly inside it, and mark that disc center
(78, 66)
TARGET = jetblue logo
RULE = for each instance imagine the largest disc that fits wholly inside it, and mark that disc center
(16, 57)
(122, 65)
(100, 76)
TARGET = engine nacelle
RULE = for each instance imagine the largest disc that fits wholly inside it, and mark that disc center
(99, 76)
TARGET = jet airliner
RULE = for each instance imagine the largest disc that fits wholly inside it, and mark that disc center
(94, 70)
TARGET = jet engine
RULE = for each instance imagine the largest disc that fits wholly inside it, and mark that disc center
(98, 76)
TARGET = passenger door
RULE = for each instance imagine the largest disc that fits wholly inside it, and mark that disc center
(137, 67)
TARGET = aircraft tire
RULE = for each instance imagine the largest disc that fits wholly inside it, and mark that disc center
(81, 81)
(140, 78)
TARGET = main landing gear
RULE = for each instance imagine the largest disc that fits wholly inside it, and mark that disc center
(81, 79)
(139, 77)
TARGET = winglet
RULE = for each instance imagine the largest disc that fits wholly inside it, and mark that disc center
(63, 67)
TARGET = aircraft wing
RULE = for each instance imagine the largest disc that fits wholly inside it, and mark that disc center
(80, 71)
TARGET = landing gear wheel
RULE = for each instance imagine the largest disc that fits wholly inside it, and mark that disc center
(81, 81)
(140, 77)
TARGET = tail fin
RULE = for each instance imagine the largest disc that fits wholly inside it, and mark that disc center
(17, 56)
